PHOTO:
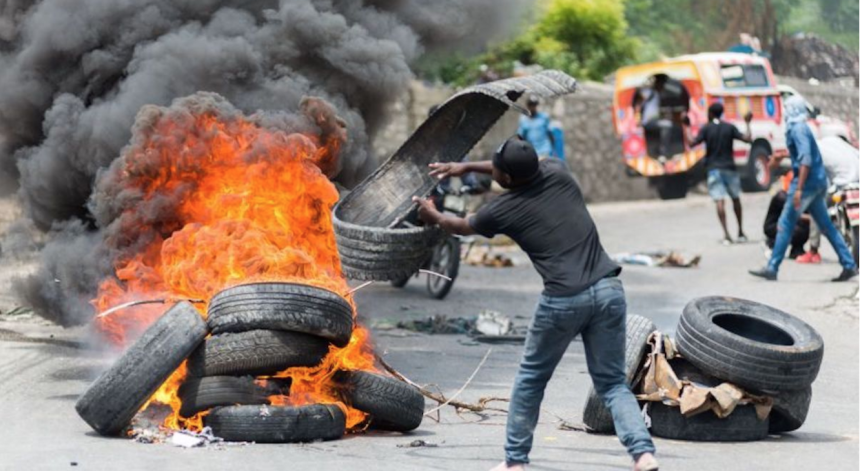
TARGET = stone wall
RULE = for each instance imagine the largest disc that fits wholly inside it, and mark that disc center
(838, 99)
(593, 150)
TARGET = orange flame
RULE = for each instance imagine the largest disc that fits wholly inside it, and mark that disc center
(252, 204)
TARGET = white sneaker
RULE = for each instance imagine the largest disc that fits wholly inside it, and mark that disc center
(646, 462)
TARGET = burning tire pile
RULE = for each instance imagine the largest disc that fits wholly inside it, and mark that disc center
(757, 362)
(239, 365)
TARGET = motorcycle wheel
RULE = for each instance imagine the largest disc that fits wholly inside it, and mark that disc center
(446, 261)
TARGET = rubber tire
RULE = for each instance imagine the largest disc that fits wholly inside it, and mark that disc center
(451, 271)
(392, 404)
(383, 254)
(277, 424)
(111, 402)
(256, 352)
(790, 409)
(748, 363)
(741, 425)
(282, 306)
(200, 394)
(749, 179)
(672, 187)
(596, 415)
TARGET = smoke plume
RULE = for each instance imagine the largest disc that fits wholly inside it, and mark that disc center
(75, 73)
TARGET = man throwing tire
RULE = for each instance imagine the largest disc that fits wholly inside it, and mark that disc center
(806, 193)
(544, 212)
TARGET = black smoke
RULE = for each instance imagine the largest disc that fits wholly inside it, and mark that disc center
(75, 73)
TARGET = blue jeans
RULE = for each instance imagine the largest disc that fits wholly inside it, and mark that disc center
(812, 201)
(599, 314)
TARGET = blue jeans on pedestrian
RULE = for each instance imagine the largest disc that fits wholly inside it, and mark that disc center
(599, 314)
(813, 201)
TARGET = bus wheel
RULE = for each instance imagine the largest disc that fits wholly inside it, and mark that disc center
(757, 176)
(671, 187)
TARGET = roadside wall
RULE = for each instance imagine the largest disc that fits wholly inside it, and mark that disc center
(593, 151)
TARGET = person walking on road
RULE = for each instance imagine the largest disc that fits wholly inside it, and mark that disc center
(842, 166)
(723, 178)
(544, 212)
(806, 193)
(536, 129)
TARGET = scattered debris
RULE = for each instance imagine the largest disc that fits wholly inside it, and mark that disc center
(188, 439)
(440, 325)
(657, 259)
(493, 323)
(417, 444)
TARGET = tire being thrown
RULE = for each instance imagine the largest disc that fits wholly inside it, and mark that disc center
(392, 404)
(110, 403)
(277, 424)
(282, 306)
(256, 352)
(596, 416)
(749, 344)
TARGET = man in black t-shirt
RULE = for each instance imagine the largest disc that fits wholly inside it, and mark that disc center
(723, 178)
(544, 212)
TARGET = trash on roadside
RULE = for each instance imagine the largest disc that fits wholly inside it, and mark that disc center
(660, 383)
(493, 323)
(440, 324)
(657, 259)
(189, 439)
(481, 257)
(417, 444)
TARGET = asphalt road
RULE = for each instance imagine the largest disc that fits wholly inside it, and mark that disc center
(43, 374)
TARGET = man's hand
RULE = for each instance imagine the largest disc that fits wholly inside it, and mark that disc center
(748, 117)
(798, 197)
(447, 169)
(426, 210)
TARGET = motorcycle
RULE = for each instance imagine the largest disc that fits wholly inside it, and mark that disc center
(445, 258)
(845, 213)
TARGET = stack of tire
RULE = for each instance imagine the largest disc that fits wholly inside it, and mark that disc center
(256, 330)
(759, 348)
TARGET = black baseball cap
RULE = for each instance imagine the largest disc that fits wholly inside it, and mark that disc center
(517, 158)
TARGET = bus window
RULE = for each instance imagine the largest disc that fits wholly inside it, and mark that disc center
(743, 76)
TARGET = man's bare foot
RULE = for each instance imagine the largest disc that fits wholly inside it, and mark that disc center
(646, 462)
(506, 467)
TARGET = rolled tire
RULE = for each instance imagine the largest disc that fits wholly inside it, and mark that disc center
(741, 425)
(200, 394)
(256, 352)
(110, 403)
(277, 424)
(749, 344)
(362, 274)
(392, 404)
(790, 409)
(596, 416)
(282, 306)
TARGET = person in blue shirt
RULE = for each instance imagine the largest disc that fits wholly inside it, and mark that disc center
(536, 129)
(806, 193)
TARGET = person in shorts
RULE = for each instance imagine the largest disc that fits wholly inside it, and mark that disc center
(723, 178)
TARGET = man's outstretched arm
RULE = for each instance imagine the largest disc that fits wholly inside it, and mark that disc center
(458, 169)
(451, 224)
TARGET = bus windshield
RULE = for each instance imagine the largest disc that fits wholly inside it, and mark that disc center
(743, 76)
